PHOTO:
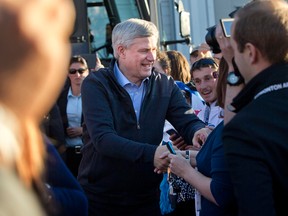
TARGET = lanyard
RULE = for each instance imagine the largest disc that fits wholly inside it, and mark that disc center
(271, 88)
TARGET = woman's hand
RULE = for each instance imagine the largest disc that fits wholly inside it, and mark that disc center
(178, 164)
(225, 46)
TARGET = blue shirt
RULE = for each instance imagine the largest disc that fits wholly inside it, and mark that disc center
(136, 92)
(74, 114)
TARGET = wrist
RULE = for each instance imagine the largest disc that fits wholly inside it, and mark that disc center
(234, 79)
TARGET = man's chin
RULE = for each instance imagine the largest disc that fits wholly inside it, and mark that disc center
(146, 73)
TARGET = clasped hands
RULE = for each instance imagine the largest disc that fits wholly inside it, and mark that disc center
(163, 157)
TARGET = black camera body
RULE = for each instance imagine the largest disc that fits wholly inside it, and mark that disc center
(211, 40)
(211, 37)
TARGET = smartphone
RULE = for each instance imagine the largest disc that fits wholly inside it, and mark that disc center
(226, 24)
(173, 131)
(170, 148)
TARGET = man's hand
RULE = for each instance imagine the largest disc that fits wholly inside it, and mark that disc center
(161, 160)
(200, 137)
(98, 64)
(178, 141)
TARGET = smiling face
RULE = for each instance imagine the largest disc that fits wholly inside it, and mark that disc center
(205, 82)
(136, 61)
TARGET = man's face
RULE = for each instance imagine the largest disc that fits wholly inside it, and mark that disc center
(136, 61)
(239, 58)
(205, 80)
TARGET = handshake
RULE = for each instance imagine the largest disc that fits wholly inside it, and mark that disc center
(165, 153)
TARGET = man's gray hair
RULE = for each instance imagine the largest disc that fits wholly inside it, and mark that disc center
(125, 32)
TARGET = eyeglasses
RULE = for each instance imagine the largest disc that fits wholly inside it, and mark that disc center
(204, 62)
(79, 70)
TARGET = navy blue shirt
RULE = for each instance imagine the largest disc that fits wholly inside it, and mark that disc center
(211, 162)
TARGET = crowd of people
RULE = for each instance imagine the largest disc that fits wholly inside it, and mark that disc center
(82, 142)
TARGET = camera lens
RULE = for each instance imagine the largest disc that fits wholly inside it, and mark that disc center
(211, 40)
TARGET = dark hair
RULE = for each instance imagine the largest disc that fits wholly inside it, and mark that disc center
(204, 62)
(164, 60)
(74, 59)
(221, 83)
(253, 25)
(194, 53)
(78, 59)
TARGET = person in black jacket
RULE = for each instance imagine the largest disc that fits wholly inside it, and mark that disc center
(66, 195)
(31, 78)
(70, 107)
(52, 127)
(255, 139)
(124, 108)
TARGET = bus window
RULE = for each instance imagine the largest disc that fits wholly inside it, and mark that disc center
(103, 15)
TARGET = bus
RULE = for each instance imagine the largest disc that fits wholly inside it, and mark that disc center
(95, 20)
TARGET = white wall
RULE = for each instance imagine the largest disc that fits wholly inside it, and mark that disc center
(203, 14)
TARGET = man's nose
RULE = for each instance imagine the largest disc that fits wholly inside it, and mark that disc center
(151, 56)
(203, 84)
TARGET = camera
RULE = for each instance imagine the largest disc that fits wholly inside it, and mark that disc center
(226, 26)
(211, 37)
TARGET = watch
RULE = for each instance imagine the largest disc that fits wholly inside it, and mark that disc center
(233, 79)
(187, 155)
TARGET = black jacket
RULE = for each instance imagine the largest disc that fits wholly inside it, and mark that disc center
(256, 144)
(62, 104)
(117, 165)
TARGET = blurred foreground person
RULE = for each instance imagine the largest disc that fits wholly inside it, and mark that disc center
(255, 139)
(32, 73)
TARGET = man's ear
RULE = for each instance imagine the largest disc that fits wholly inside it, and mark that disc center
(252, 53)
(121, 51)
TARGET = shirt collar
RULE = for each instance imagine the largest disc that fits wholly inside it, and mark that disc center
(70, 94)
(277, 73)
(121, 78)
